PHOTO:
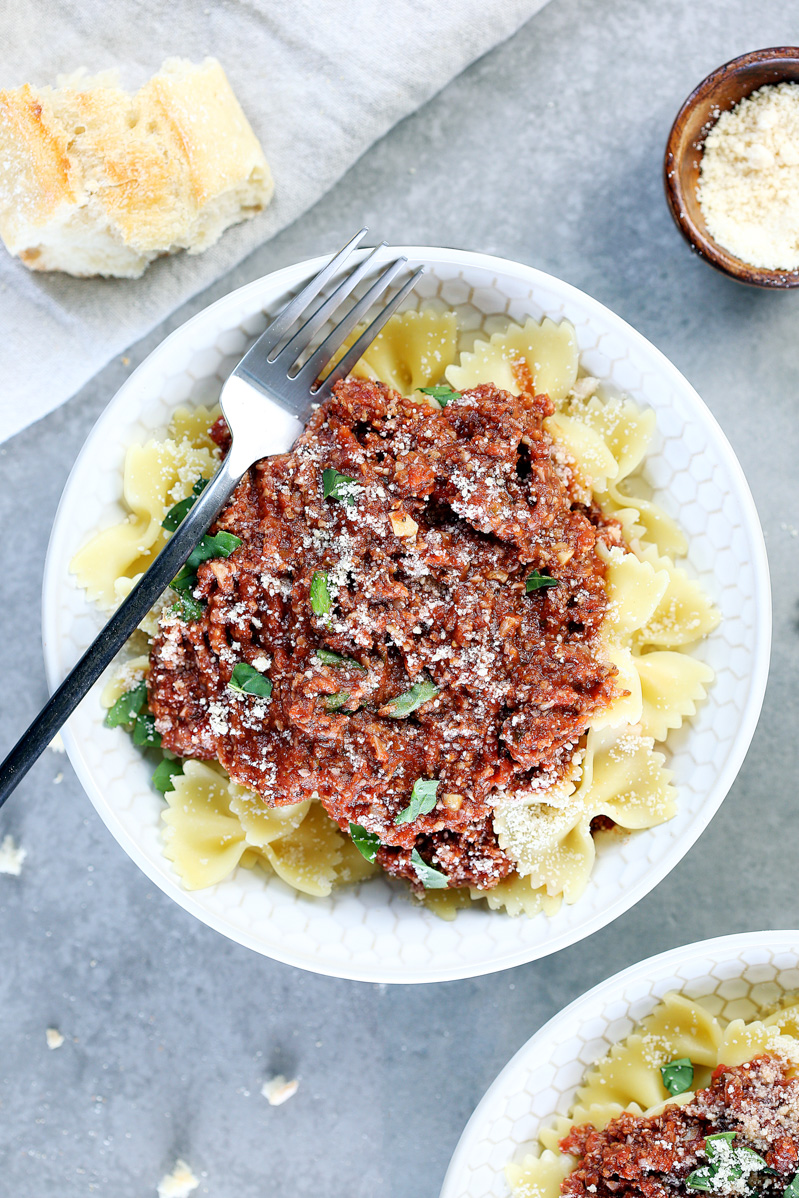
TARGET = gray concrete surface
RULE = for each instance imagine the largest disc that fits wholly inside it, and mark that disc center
(548, 151)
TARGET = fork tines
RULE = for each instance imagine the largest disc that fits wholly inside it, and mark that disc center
(281, 343)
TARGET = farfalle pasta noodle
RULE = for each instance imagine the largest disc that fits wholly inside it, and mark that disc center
(156, 476)
(212, 823)
(623, 778)
(412, 351)
(548, 350)
(628, 1077)
(655, 611)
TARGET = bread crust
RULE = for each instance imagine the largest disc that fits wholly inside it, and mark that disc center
(94, 180)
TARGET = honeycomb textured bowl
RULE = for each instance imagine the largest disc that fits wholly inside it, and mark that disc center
(736, 976)
(375, 932)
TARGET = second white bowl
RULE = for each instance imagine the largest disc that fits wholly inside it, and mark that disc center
(735, 976)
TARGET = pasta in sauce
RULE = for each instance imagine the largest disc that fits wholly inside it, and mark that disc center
(654, 614)
(648, 1113)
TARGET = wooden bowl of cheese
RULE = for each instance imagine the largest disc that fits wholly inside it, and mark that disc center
(731, 170)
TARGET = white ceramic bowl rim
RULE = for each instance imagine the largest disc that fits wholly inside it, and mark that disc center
(656, 975)
(582, 922)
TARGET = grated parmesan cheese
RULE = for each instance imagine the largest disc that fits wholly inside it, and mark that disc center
(749, 178)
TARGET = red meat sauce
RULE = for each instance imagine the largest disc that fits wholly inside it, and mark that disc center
(636, 1157)
(438, 597)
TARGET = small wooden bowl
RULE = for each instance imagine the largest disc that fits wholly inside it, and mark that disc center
(716, 94)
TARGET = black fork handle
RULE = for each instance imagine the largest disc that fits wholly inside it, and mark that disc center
(122, 624)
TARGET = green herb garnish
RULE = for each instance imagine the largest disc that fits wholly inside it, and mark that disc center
(130, 711)
(724, 1156)
(221, 544)
(423, 800)
(443, 393)
(431, 879)
(178, 513)
(792, 1189)
(338, 486)
(320, 595)
(127, 706)
(187, 607)
(335, 659)
(678, 1076)
(404, 704)
(367, 843)
(165, 772)
(248, 681)
(336, 701)
(184, 580)
(538, 581)
(145, 732)
(701, 1179)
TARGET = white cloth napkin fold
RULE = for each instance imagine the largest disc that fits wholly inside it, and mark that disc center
(320, 81)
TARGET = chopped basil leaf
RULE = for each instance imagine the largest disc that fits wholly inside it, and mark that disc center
(184, 580)
(367, 843)
(320, 595)
(792, 1189)
(404, 704)
(249, 681)
(718, 1137)
(744, 1152)
(178, 513)
(537, 581)
(442, 393)
(336, 701)
(678, 1076)
(338, 486)
(731, 1161)
(145, 731)
(335, 659)
(165, 772)
(127, 706)
(423, 800)
(188, 608)
(221, 544)
(701, 1179)
(431, 879)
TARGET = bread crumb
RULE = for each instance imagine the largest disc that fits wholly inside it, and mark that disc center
(278, 1090)
(11, 857)
(749, 178)
(57, 744)
(54, 1037)
(179, 1183)
(58, 778)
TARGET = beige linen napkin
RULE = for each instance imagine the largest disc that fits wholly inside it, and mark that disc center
(320, 81)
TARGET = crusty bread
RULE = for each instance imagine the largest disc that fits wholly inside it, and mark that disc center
(95, 181)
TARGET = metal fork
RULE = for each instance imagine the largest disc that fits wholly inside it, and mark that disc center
(266, 407)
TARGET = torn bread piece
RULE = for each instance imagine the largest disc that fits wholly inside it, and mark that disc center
(96, 181)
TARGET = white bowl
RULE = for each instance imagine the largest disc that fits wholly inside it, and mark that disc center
(735, 975)
(374, 932)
